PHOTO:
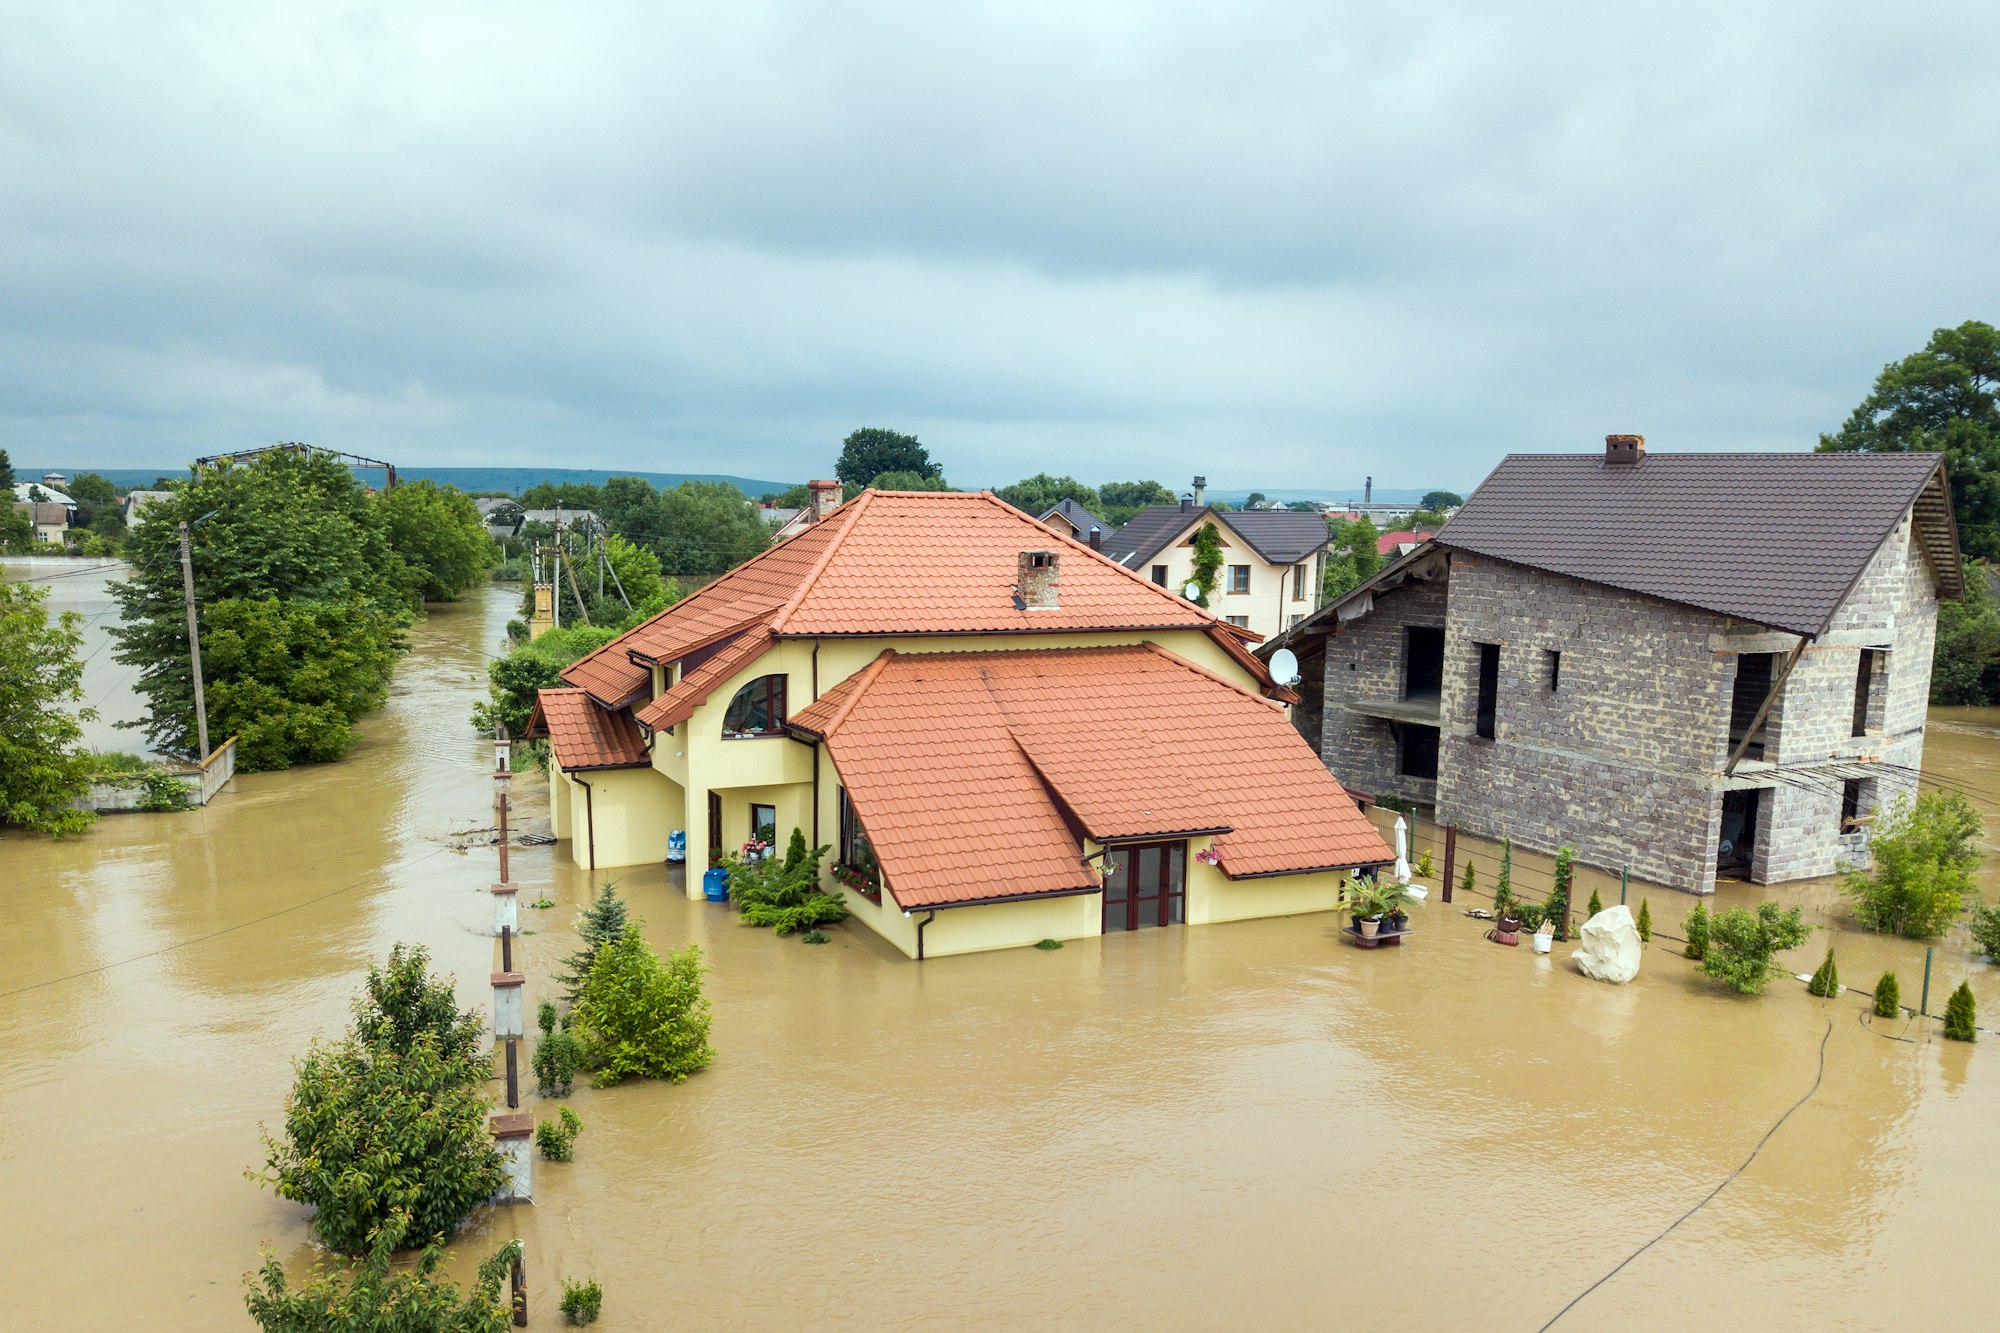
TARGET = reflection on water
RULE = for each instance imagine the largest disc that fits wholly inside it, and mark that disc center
(1184, 1128)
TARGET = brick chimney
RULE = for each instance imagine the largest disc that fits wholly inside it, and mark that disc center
(1035, 582)
(1624, 448)
(824, 499)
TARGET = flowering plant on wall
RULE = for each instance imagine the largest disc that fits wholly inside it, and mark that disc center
(1208, 856)
(756, 849)
(860, 881)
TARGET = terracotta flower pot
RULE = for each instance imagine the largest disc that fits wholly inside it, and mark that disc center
(1369, 925)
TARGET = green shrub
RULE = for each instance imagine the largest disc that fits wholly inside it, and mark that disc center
(814, 937)
(1596, 905)
(641, 1017)
(581, 1301)
(1888, 997)
(1425, 867)
(373, 1299)
(1558, 901)
(1048, 944)
(1532, 915)
(1986, 929)
(1504, 901)
(1960, 1014)
(1696, 927)
(598, 924)
(1469, 881)
(1645, 922)
(1741, 945)
(557, 1055)
(785, 894)
(1926, 857)
(162, 792)
(1826, 981)
(556, 1138)
(391, 1121)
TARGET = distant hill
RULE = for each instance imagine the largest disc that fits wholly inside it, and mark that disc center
(512, 480)
(1383, 494)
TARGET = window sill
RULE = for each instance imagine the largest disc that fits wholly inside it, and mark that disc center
(752, 735)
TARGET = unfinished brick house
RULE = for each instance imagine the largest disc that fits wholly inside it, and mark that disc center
(1689, 664)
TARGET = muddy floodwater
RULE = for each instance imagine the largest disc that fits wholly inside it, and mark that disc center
(1221, 1126)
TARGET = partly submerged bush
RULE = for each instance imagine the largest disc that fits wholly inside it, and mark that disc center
(1826, 981)
(1741, 945)
(640, 1017)
(1645, 922)
(1960, 1014)
(558, 1055)
(373, 1299)
(784, 895)
(1696, 927)
(1888, 997)
(581, 1301)
(557, 1138)
(1926, 857)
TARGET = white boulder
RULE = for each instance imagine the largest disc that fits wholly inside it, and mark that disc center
(1611, 946)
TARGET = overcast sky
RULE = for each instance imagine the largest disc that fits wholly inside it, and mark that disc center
(1281, 244)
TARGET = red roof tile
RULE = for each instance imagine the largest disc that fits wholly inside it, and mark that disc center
(691, 691)
(961, 766)
(897, 562)
(585, 734)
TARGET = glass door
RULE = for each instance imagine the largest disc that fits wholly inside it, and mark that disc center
(1147, 885)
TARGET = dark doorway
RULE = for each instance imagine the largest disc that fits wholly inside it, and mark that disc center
(1486, 706)
(1416, 750)
(1738, 842)
(1753, 685)
(1423, 662)
(1147, 885)
(714, 827)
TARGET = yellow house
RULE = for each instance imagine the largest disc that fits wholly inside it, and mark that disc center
(1273, 560)
(1004, 736)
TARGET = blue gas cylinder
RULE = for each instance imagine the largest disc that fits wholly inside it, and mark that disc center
(715, 884)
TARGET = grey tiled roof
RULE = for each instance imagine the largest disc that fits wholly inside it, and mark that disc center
(1279, 536)
(1777, 539)
(1077, 517)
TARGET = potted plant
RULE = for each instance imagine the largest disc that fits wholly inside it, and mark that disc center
(1394, 902)
(1363, 900)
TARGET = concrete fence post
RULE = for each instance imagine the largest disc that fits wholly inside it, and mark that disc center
(507, 1005)
(506, 909)
(514, 1136)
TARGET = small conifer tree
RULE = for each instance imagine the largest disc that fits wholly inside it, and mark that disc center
(1826, 982)
(599, 924)
(1696, 926)
(1888, 997)
(1645, 921)
(1469, 880)
(1960, 1012)
(1503, 893)
(1596, 905)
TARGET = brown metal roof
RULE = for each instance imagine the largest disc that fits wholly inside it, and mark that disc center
(1777, 539)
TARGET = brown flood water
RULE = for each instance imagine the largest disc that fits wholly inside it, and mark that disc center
(1186, 1128)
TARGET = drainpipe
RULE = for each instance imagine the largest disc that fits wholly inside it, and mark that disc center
(920, 933)
(816, 787)
(589, 819)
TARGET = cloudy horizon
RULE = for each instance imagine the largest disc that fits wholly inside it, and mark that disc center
(1271, 243)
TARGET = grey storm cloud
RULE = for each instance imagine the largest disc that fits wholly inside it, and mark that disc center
(1283, 244)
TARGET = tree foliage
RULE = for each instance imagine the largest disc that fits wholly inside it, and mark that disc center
(640, 1016)
(1986, 929)
(389, 1123)
(43, 765)
(1441, 500)
(1741, 944)
(439, 534)
(17, 530)
(533, 665)
(1696, 927)
(1352, 558)
(1965, 666)
(374, 1298)
(1040, 493)
(784, 894)
(909, 481)
(1961, 1015)
(1942, 399)
(1121, 500)
(604, 920)
(301, 600)
(558, 1055)
(1207, 562)
(6, 472)
(1926, 859)
(870, 451)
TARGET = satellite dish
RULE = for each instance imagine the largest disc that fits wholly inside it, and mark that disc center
(1284, 666)
(1193, 592)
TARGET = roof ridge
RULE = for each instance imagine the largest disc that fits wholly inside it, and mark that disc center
(862, 680)
(833, 543)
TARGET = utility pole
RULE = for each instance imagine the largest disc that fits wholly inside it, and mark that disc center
(194, 646)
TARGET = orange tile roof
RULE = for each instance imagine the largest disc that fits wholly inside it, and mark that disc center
(691, 691)
(585, 734)
(900, 562)
(961, 766)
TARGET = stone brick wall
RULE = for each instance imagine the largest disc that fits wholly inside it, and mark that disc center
(1364, 660)
(1616, 760)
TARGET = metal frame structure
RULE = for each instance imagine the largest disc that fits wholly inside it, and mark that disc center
(244, 455)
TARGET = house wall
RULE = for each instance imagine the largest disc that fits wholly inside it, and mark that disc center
(1213, 896)
(1364, 660)
(1269, 605)
(622, 816)
(1617, 760)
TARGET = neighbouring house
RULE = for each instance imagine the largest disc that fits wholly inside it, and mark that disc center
(1075, 522)
(1003, 735)
(51, 520)
(1403, 541)
(501, 514)
(776, 516)
(1681, 663)
(562, 520)
(138, 502)
(1272, 560)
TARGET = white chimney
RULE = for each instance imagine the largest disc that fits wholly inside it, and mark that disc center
(1200, 491)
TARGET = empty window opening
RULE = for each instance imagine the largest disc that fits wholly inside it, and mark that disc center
(1857, 804)
(1417, 751)
(1488, 707)
(1555, 670)
(1753, 683)
(1423, 662)
(1864, 690)
(1160, 575)
(1239, 578)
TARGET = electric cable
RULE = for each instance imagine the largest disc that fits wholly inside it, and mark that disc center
(1709, 1197)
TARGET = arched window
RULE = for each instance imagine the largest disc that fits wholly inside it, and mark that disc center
(758, 709)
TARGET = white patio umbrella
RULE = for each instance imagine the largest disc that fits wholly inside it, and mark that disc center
(1402, 850)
